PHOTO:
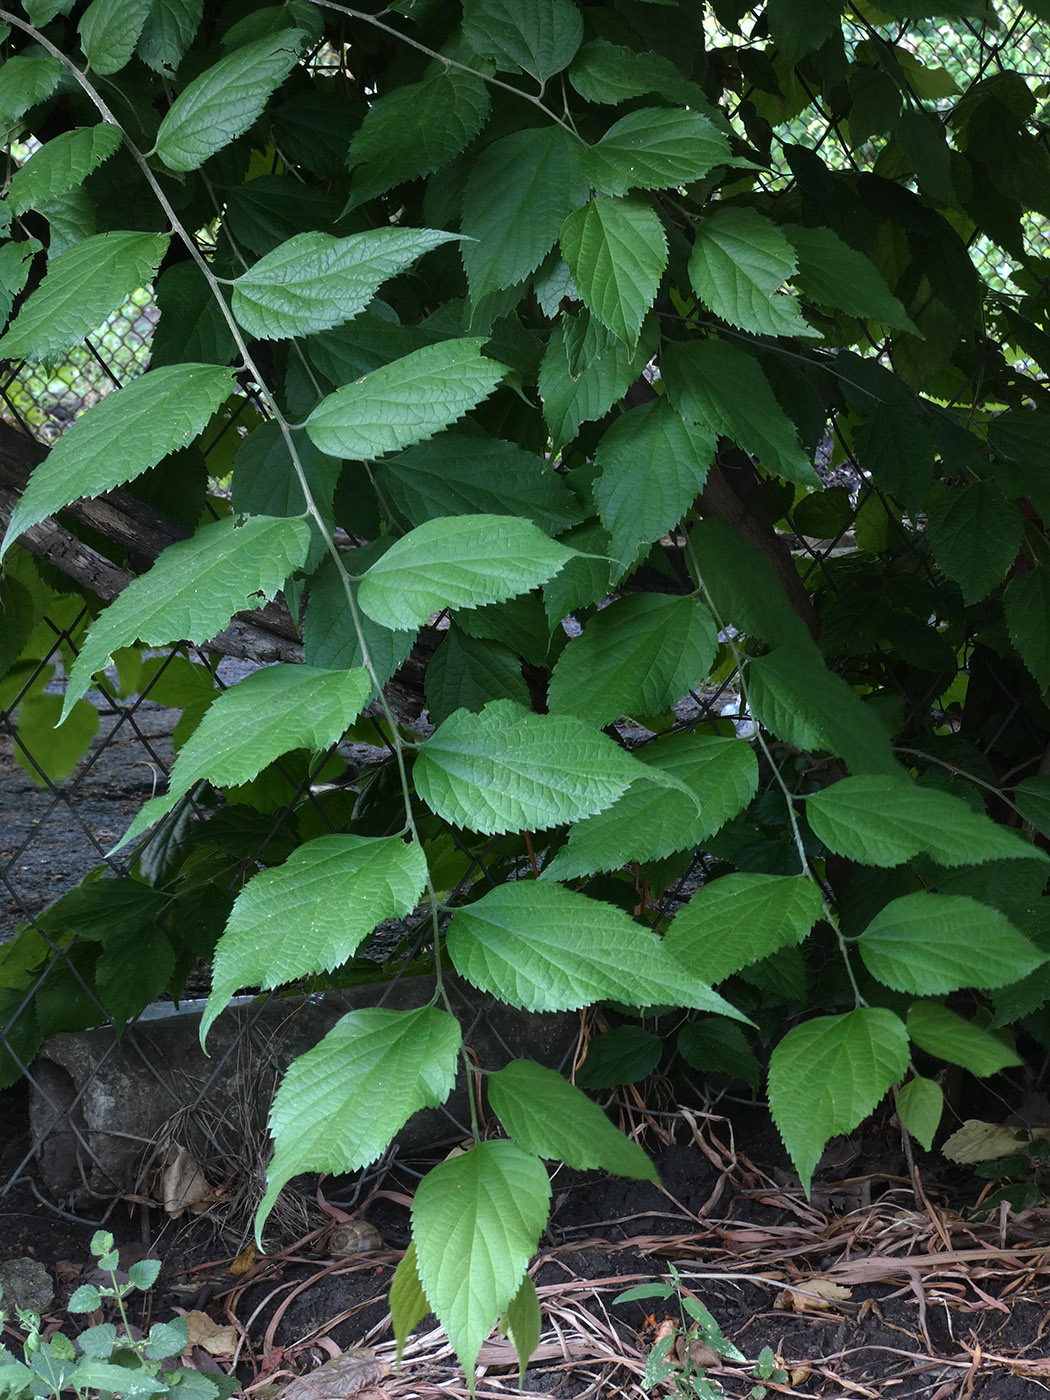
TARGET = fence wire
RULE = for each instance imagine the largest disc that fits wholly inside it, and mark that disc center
(61, 819)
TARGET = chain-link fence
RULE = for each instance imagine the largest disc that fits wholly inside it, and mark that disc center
(68, 795)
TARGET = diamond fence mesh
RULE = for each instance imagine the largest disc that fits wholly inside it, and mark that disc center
(68, 795)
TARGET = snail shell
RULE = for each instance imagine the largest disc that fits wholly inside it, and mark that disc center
(352, 1237)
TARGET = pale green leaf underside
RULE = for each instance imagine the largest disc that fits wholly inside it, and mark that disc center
(546, 1115)
(269, 713)
(656, 147)
(516, 200)
(616, 251)
(408, 1302)
(650, 821)
(507, 769)
(314, 281)
(831, 273)
(194, 589)
(886, 821)
(340, 1103)
(933, 943)
(476, 1221)
(313, 912)
(122, 436)
(523, 1324)
(739, 261)
(637, 656)
(733, 922)
(217, 107)
(722, 388)
(951, 1037)
(828, 1074)
(61, 165)
(654, 464)
(542, 947)
(461, 561)
(405, 401)
(82, 286)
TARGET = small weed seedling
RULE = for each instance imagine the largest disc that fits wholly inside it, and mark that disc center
(678, 1353)
(103, 1361)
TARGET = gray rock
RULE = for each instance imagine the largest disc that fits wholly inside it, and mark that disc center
(26, 1284)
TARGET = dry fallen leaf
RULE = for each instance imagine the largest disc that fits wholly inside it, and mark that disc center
(181, 1184)
(700, 1354)
(815, 1295)
(203, 1332)
(349, 1374)
(67, 1271)
(245, 1261)
(977, 1141)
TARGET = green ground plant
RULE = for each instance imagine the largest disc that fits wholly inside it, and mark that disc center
(107, 1359)
(550, 313)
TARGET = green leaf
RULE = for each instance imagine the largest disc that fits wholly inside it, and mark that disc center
(922, 139)
(406, 401)
(656, 147)
(460, 474)
(743, 585)
(47, 752)
(799, 27)
(739, 261)
(315, 281)
(653, 465)
(831, 273)
(122, 436)
(539, 36)
(582, 375)
(340, 1103)
(415, 129)
(408, 1302)
(168, 33)
(649, 822)
(61, 165)
(612, 73)
(134, 968)
(109, 31)
(616, 251)
(624, 1055)
(82, 286)
(517, 197)
(194, 589)
(883, 821)
(723, 389)
(458, 561)
(941, 1032)
(796, 697)
(329, 636)
(24, 82)
(245, 728)
(552, 1118)
(975, 535)
(1032, 799)
(1026, 603)
(465, 674)
(542, 947)
(718, 1046)
(637, 656)
(522, 1324)
(476, 1221)
(931, 943)
(828, 1074)
(920, 1104)
(266, 483)
(220, 105)
(510, 770)
(312, 913)
(737, 920)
